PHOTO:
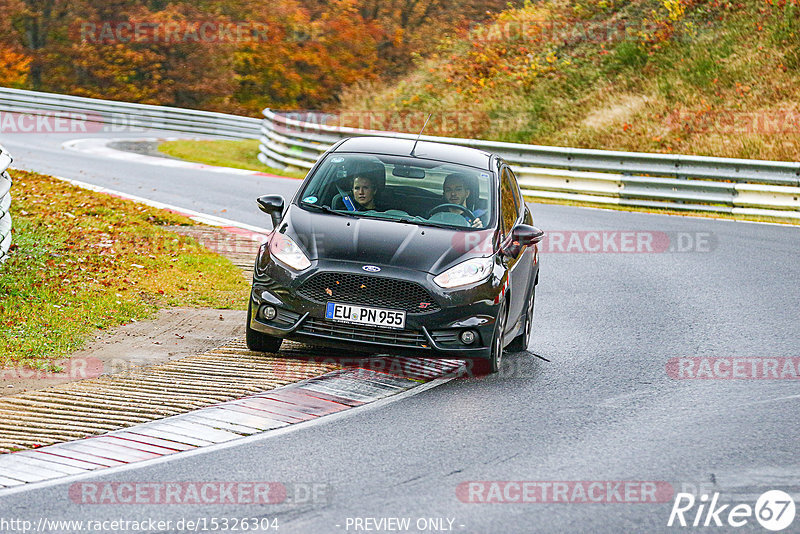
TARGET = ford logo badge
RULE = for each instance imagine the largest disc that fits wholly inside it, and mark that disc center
(371, 268)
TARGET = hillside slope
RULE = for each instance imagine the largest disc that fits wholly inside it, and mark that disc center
(688, 76)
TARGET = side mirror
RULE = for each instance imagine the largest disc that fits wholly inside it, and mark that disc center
(272, 205)
(525, 234)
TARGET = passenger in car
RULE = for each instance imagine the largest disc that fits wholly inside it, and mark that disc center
(365, 189)
(456, 190)
(365, 192)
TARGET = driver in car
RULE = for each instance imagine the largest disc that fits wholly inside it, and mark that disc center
(456, 191)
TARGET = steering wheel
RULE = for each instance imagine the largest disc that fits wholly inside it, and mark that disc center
(465, 212)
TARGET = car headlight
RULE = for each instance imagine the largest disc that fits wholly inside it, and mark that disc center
(465, 273)
(284, 249)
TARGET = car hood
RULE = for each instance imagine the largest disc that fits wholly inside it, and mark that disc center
(372, 241)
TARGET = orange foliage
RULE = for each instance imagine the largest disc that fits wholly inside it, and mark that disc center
(14, 66)
(306, 60)
(304, 51)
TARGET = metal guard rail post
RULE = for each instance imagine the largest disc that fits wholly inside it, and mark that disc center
(5, 204)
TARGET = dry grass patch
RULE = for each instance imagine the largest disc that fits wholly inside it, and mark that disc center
(83, 260)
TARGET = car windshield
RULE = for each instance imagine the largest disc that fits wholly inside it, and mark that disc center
(403, 189)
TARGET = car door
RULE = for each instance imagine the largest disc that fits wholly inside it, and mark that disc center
(518, 263)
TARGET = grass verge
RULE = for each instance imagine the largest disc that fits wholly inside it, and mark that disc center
(223, 153)
(83, 260)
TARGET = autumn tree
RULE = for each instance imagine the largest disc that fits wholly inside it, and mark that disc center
(14, 63)
(307, 58)
(67, 57)
(296, 53)
(183, 68)
(41, 30)
(415, 26)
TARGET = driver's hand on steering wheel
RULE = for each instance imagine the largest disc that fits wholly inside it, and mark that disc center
(477, 223)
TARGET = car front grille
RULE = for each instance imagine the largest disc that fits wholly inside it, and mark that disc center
(344, 331)
(379, 292)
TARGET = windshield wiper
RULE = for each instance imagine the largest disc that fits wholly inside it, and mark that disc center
(360, 214)
(438, 225)
(327, 209)
(417, 220)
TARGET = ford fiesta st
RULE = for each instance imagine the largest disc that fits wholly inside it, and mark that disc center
(399, 247)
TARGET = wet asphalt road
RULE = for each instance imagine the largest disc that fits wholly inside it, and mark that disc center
(603, 407)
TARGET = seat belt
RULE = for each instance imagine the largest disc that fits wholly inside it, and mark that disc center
(348, 202)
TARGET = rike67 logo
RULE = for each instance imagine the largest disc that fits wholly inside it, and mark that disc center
(774, 510)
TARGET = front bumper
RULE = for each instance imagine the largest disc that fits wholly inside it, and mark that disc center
(426, 334)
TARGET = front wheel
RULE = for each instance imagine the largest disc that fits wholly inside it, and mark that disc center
(492, 365)
(258, 341)
(520, 343)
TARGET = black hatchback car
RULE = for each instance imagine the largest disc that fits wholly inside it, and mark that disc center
(394, 246)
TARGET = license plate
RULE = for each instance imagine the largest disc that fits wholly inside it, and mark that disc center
(350, 313)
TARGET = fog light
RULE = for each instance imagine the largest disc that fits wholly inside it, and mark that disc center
(467, 337)
(268, 312)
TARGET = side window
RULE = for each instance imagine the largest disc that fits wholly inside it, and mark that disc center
(508, 204)
(517, 193)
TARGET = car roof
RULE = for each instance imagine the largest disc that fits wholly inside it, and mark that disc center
(424, 149)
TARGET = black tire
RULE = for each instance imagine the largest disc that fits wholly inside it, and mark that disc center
(258, 341)
(520, 343)
(492, 365)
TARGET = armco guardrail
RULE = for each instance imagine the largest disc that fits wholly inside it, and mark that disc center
(678, 182)
(5, 204)
(123, 116)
